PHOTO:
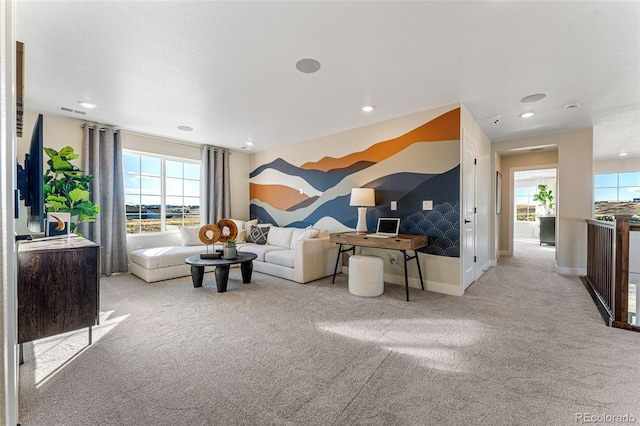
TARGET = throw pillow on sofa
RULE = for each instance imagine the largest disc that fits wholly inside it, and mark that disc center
(258, 235)
(280, 237)
(190, 236)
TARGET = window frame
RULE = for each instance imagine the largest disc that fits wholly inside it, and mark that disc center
(163, 188)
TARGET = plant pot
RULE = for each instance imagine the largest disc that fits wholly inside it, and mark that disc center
(229, 253)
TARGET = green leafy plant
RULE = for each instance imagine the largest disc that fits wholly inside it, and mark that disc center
(66, 188)
(230, 243)
(545, 198)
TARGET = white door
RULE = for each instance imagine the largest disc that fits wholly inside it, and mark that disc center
(468, 210)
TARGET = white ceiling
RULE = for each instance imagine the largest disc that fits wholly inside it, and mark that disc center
(227, 69)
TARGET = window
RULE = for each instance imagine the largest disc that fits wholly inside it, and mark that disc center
(525, 206)
(617, 193)
(161, 193)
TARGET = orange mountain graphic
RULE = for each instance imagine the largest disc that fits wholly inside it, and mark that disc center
(443, 128)
(278, 196)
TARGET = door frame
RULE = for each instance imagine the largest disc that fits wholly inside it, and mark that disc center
(466, 136)
(512, 201)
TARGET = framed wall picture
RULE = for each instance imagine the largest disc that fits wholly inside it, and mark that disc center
(498, 193)
(58, 224)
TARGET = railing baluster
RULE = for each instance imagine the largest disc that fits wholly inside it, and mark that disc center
(608, 268)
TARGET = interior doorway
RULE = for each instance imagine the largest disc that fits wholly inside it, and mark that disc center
(535, 224)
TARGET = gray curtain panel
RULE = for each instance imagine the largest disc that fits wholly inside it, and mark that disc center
(102, 157)
(215, 189)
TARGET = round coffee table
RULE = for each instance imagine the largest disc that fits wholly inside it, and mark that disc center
(222, 269)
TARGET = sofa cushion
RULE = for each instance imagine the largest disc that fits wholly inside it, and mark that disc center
(280, 257)
(190, 236)
(260, 250)
(280, 237)
(162, 257)
(258, 235)
(300, 234)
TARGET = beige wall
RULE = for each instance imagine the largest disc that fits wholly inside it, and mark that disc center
(615, 166)
(575, 192)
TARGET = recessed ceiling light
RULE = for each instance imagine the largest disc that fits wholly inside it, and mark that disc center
(368, 108)
(308, 66)
(87, 104)
(250, 142)
(572, 106)
(185, 128)
(527, 114)
(533, 98)
(622, 154)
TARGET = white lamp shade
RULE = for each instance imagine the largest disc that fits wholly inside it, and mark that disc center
(362, 197)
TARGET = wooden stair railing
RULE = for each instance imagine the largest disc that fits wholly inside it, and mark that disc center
(608, 268)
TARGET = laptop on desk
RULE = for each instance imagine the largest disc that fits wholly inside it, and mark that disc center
(387, 227)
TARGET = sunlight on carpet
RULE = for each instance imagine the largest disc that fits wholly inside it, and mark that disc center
(53, 354)
(437, 348)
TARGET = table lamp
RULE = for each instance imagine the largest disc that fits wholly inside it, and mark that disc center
(362, 197)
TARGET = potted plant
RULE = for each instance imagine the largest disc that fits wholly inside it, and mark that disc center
(66, 188)
(230, 250)
(545, 198)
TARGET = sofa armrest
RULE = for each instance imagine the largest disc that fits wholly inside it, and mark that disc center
(314, 259)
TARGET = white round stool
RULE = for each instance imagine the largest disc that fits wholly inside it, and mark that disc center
(366, 275)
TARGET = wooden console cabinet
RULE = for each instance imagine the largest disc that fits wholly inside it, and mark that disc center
(58, 286)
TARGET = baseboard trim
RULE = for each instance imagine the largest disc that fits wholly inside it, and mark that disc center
(435, 286)
(486, 266)
(580, 272)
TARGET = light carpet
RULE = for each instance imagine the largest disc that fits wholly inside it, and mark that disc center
(524, 345)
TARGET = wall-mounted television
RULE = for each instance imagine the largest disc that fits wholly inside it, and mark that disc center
(31, 180)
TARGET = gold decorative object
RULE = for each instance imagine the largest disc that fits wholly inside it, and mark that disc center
(231, 226)
(203, 234)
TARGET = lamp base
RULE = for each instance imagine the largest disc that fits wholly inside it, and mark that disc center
(361, 227)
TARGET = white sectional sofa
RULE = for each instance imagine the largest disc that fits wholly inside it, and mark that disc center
(295, 254)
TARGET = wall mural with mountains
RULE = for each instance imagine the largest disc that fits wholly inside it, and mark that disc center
(422, 164)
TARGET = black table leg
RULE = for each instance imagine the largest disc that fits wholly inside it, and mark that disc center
(406, 275)
(335, 269)
(197, 273)
(419, 270)
(222, 277)
(340, 251)
(246, 268)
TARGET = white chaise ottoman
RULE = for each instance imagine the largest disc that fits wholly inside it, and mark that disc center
(366, 275)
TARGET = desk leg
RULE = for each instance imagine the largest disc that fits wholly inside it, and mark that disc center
(340, 251)
(335, 270)
(406, 276)
(415, 252)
